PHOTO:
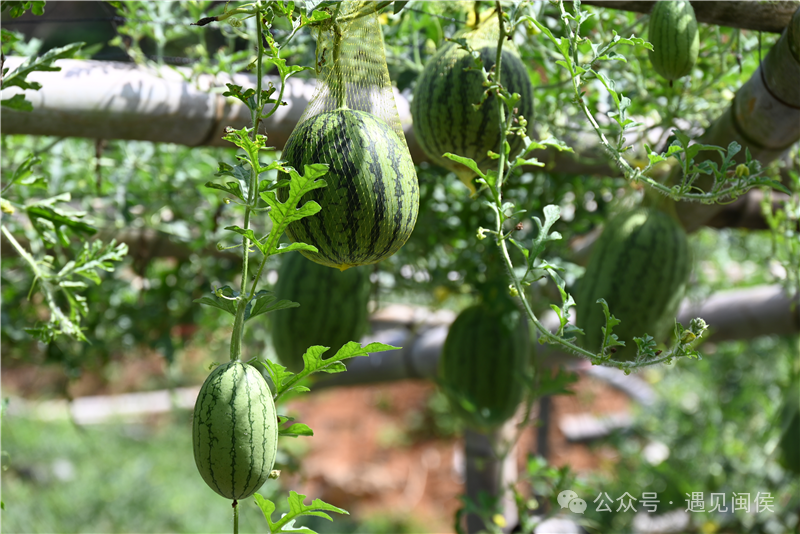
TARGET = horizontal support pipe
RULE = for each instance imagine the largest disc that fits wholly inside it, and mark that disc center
(760, 16)
(737, 314)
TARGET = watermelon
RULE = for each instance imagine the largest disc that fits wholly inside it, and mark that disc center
(640, 265)
(370, 205)
(673, 34)
(333, 308)
(484, 362)
(442, 108)
(235, 430)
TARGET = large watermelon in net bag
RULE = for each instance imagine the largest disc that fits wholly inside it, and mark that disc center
(370, 205)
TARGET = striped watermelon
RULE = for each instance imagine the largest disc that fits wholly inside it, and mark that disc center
(484, 362)
(444, 118)
(640, 266)
(235, 430)
(370, 205)
(676, 42)
(333, 308)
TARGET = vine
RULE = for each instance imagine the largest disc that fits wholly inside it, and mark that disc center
(248, 191)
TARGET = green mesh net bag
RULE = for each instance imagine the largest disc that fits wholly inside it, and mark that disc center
(370, 205)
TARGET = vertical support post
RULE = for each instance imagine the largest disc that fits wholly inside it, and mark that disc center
(488, 474)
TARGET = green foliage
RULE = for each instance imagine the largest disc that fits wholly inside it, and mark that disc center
(297, 509)
(286, 381)
(57, 273)
(18, 77)
(717, 423)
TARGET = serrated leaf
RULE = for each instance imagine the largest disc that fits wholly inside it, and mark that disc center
(232, 188)
(17, 102)
(297, 509)
(286, 381)
(60, 218)
(43, 63)
(283, 213)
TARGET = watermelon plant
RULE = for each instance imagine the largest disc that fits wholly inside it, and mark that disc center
(672, 30)
(235, 424)
(332, 311)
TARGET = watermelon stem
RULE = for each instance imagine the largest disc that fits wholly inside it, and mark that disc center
(235, 506)
(501, 163)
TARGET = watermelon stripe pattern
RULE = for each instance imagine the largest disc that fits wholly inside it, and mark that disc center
(371, 203)
(442, 108)
(333, 308)
(640, 266)
(673, 33)
(484, 362)
(235, 430)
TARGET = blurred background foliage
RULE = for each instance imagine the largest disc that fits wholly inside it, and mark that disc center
(717, 417)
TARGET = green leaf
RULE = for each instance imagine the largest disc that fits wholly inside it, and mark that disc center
(59, 218)
(249, 234)
(239, 189)
(297, 509)
(286, 381)
(551, 214)
(44, 63)
(95, 256)
(24, 170)
(223, 298)
(265, 302)
(467, 162)
(284, 213)
(297, 429)
(316, 508)
(398, 6)
(17, 8)
(285, 71)
(284, 247)
(609, 339)
(312, 5)
(279, 376)
(18, 103)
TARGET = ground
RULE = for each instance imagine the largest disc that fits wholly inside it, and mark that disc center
(369, 453)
